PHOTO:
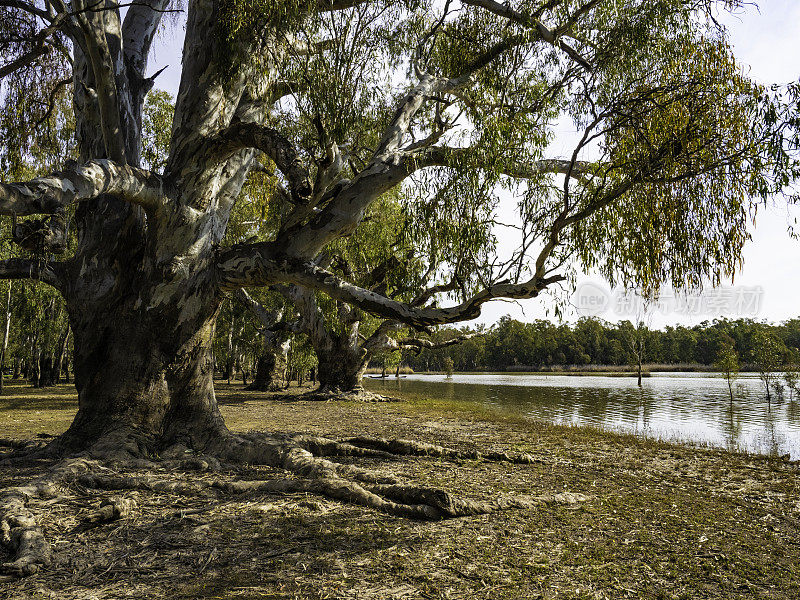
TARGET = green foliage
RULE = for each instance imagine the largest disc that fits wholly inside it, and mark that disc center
(301, 358)
(159, 109)
(679, 139)
(791, 377)
(673, 129)
(768, 355)
(727, 364)
(448, 366)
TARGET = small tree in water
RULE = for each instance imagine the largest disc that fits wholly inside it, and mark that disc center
(448, 366)
(791, 378)
(768, 355)
(728, 365)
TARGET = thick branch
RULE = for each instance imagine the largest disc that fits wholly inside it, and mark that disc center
(272, 143)
(380, 340)
(332, 5)
(267, 318)
(256, 265)
(411, 342)
(50, 194)
(93, 25)
(24, 60)
(23, 268)
(138, 30)
(40, 49)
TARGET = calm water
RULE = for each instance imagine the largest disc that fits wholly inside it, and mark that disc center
(692, 407)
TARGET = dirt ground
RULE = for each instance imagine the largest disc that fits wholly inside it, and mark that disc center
(660, 521)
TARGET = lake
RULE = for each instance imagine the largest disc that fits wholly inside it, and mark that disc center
(682, 407)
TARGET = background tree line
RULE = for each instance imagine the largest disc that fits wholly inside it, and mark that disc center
(542, 344)
(38, 346)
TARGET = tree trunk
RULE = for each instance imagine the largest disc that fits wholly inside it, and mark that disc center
(341, 367)
(229, 358)
(271, 367)
(36, 366)
(45, 369)
(5, 338)
(139, 390)
(62, 351)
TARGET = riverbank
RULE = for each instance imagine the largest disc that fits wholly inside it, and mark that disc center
(610, 370)
(660, 520)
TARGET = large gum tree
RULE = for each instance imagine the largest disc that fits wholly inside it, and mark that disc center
(456, 101)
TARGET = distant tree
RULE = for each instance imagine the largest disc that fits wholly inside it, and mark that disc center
(635, 340)
(728, 364)
(768, 353)
(448, 366)
(791, 373)
(792, 380)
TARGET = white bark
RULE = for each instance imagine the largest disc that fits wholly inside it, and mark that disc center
(52, 193)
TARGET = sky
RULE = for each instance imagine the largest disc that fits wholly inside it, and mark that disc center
(766, 41)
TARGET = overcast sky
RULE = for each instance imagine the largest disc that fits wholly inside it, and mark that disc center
(767, 42)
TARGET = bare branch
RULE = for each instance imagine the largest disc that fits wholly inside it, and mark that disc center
(27, 7)
(267, 318)
(24, 60)
(410, 342)
(432, 291)
(138, 30)
(93, 25)
(332, 5)
(381, 340)
(40, 48)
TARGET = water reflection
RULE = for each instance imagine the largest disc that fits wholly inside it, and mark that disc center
(674, 406)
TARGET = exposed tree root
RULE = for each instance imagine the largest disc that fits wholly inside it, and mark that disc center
(399, 447)
(22, 448)
(305, 457)
(325, 394)
(260, 386)
(18, 529)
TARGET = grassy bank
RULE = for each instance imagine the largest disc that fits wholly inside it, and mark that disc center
(661, 521)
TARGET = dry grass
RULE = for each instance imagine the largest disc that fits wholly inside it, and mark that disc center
(663, 521)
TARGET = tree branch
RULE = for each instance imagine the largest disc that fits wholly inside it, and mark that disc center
(551, 37)
(421, 344)
(332, 5)
(380, 340)
(93, 26)
(138, 30)
(267, 318)
(40, 49)
(24, 268)
(259, 265)
(25, 60)
(440, 156)
(273, 144)
(50, 194)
